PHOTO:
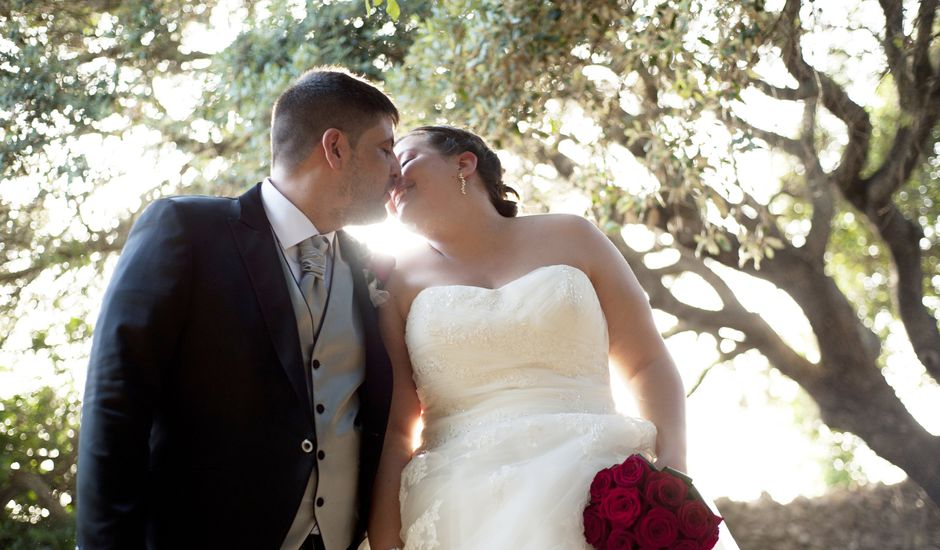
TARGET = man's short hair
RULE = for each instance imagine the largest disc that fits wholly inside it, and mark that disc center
(323, 98)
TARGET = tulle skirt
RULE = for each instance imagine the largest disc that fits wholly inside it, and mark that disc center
(519, 482)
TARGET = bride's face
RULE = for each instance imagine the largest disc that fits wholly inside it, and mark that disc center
(427, 184)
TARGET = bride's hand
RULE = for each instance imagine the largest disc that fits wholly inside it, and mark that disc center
(675, 460)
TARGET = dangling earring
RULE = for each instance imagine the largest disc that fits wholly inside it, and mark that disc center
(463, 183)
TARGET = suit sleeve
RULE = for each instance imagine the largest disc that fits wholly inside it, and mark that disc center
(135, 338)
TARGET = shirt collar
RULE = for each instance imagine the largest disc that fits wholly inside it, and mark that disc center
(290, 224)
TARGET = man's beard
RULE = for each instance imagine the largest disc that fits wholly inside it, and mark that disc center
(362, 205)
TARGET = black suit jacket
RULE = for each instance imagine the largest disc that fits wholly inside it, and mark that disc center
(196, 404)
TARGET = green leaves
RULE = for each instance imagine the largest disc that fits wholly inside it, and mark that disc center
(38, 444)
(391, 8)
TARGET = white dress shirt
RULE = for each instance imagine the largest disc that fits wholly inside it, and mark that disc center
(290, 225)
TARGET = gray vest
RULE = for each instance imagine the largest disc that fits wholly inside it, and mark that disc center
(337, 367)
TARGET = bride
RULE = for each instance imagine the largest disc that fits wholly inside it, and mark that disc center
(502, 333)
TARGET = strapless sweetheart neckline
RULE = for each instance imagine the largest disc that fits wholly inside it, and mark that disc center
(499, 288)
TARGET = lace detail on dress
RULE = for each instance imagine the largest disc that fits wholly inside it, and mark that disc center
(422, 534)
(498, 481)
(414, 472)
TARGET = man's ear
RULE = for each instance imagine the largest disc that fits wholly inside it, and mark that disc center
(467, 163)
(335, 148)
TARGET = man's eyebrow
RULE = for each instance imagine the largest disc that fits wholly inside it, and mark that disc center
(389, 141)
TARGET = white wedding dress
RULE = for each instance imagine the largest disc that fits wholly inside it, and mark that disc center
(518, 414)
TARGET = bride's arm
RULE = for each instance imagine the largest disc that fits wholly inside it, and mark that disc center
(637, 350)
(385, 517)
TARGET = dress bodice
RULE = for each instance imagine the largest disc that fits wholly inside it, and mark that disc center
(537, 344)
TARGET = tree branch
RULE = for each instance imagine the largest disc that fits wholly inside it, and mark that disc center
(680, 327)
(833, 97)
(29, 481)
(806, 90)
(688, 261)
(910, 141)
(922, 69)
(757, 332)
(119, 52)
(701, 378)
(893, 41)
(818, 188)
(821, 197)
(789, 145)
(903, 158)
(562, 163)
(903, 239)
(722, 358)
(106, 242)
(803, 149)
(8, 277)
(873, 196)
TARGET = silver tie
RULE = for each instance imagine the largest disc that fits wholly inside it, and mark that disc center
(314, 255)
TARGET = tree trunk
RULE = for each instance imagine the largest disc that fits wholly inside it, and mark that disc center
(850, 390)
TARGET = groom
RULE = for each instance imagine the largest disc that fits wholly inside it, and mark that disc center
(238, 390)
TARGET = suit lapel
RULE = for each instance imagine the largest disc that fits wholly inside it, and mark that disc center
(252, 233)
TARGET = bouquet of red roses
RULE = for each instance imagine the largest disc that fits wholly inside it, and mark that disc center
(635, 506)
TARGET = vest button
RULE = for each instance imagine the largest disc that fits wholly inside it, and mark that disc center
(320, 408)
(320, 502)
(321, 455)
(306, 446)
(315, 364)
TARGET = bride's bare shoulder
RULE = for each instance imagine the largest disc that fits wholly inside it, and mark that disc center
(559, 225)
(565, 238)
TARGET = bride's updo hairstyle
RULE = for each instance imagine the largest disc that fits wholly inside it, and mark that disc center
(450, 141)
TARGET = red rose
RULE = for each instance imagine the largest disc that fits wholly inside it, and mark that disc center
(695, 519)
(631, 472)
(686, 544)
(595, 526)
(622, 506)
(665, 490)
(711, 538)
(621, 539)
(603, 481)
(659, 527)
